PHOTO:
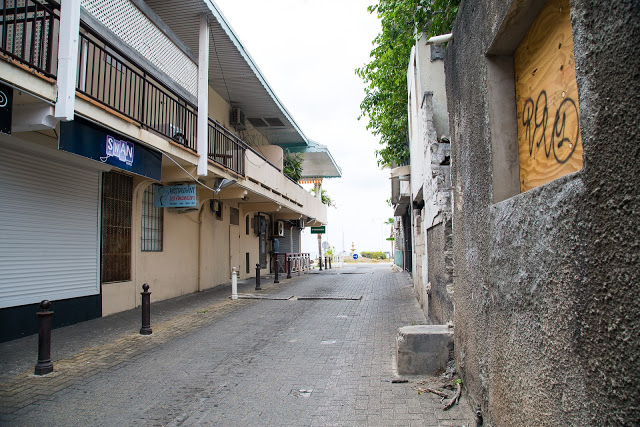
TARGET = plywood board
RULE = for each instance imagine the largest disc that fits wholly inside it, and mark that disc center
(548, 114)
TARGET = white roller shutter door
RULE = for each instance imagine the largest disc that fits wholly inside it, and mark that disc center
(49, 230)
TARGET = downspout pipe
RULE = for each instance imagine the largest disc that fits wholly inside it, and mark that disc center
(440, 39)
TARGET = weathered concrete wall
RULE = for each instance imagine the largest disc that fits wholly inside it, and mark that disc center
(546, 282)
(439, 241)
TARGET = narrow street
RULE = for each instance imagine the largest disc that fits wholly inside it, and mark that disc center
(313, 350)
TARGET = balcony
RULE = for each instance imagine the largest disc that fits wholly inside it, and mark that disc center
(106, 76)
(28, 33)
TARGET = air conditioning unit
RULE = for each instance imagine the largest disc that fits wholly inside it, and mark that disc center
(299, 223)
(278, 228)
(238, 119)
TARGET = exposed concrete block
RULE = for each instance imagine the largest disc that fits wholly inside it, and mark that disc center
(423, 349)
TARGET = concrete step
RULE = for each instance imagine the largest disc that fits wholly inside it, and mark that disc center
(423, 349)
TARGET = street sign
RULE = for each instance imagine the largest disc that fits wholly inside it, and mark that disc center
(318, 230)
(325, 245)
(355, 256)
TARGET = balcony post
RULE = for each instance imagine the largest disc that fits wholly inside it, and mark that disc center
(203, 97)
(67, 59)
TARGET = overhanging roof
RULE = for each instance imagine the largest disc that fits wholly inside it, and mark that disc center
(232, 72)
(317, 161)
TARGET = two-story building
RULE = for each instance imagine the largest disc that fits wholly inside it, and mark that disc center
(139, 143)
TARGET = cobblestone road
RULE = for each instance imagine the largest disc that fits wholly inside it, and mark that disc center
(315, 350)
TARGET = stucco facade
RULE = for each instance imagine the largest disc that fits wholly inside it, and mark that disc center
(546, 280)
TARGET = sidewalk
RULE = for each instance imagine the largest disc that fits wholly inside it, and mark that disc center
(313, 350)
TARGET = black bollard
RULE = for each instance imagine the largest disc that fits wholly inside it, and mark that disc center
(44, 365)
(289, 269)
(330, 262)
(258, 288)
(146, 311)
(275, 279)
(320, 261)
(326, 263)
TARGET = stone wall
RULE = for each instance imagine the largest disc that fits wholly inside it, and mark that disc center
(440, 273)
(547, 312)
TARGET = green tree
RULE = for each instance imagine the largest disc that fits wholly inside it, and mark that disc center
(324, 197)
(385, 101)
(292, 165)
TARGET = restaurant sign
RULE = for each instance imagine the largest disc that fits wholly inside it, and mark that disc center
(176, 196)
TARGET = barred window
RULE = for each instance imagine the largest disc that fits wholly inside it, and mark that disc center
(117, 191)
(152, 222)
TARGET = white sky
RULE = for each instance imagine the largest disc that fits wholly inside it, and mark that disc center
(308, 51)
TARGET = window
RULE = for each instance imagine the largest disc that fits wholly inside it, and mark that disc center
(533, 98)
(234, 216)
(117, 191)
(152, 222)
(246, 224)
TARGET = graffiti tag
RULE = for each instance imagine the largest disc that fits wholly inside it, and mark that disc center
(535, 117)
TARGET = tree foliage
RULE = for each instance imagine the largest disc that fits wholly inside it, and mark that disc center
(374, 255)
(385, 101)
(323, 196)
(292, 165)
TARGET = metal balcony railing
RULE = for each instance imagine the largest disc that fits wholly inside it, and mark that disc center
(28, 33)
(225, 148)
(110, 78)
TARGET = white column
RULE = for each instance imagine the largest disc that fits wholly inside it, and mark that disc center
(67, 58)
(203, 95)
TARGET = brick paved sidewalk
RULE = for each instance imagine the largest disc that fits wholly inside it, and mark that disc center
(318, 351)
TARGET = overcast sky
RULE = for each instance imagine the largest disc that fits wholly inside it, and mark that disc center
(308, 51)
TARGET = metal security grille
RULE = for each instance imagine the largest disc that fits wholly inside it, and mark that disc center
(152, 222)
(295, 238)
(117, 191)
(126, 21)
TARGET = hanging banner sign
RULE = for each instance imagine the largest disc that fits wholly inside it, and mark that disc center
(6, 108)
(89, 140)
(176, 196)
